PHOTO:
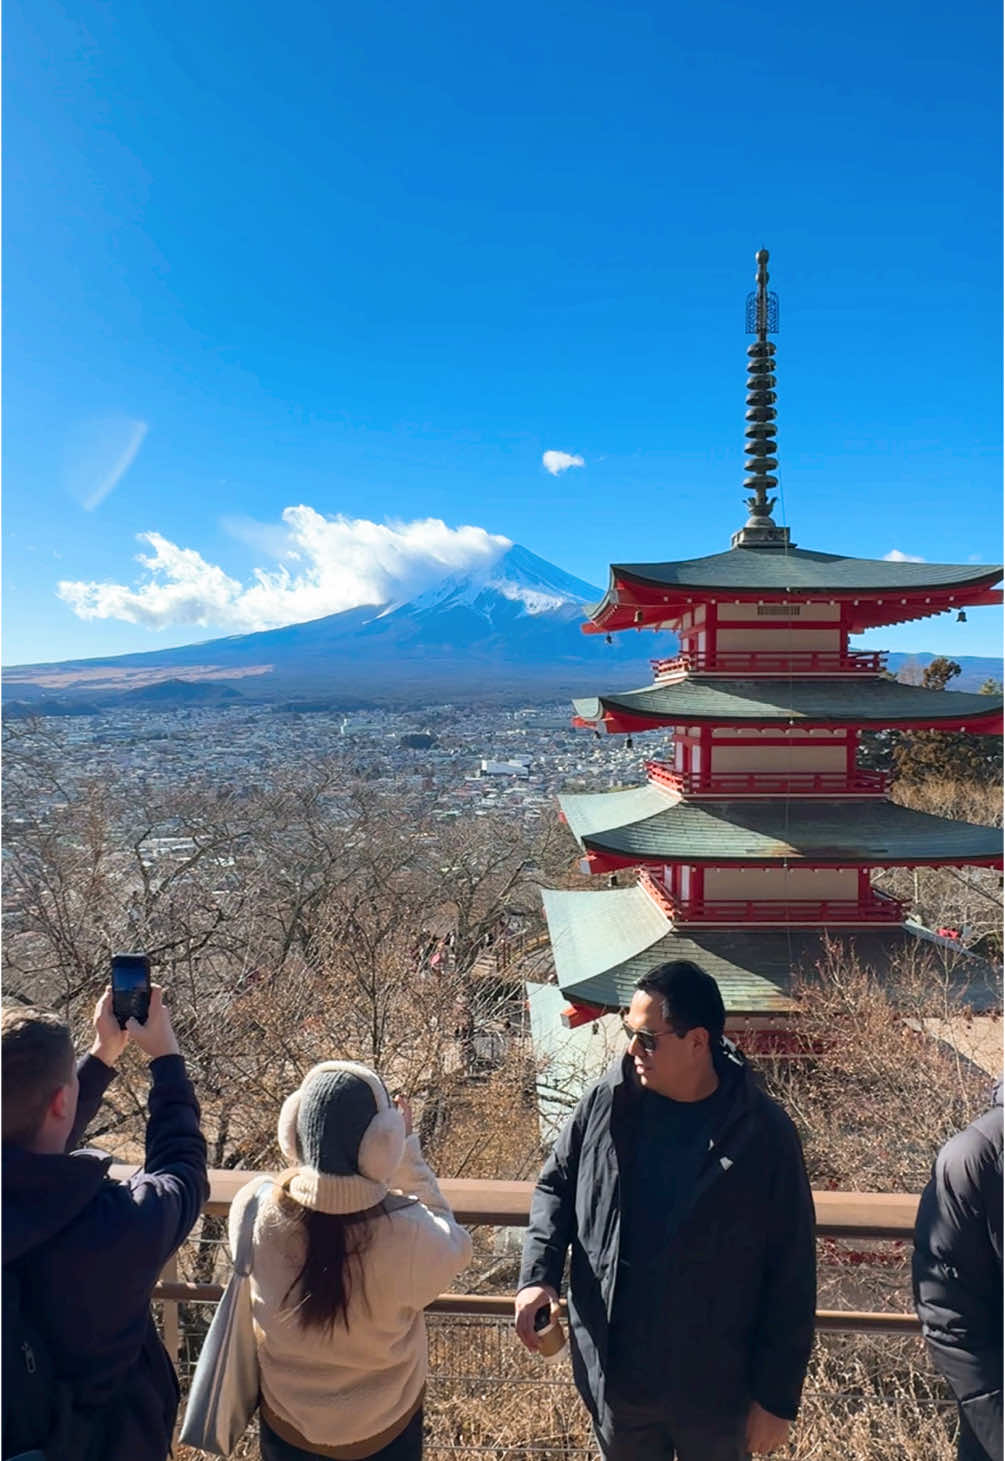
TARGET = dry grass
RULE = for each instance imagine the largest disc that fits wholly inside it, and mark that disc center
(865, 1400)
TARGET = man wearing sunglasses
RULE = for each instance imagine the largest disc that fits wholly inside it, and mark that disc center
(680, 1188)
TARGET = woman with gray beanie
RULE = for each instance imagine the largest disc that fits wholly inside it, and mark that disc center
(350, 1245)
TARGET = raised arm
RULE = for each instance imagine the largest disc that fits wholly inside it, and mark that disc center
(172, 1186)
(97, 1069)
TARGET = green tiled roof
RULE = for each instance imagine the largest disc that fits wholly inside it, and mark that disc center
(750, 569)
(753, 967)
(863, 700)
(647, 824)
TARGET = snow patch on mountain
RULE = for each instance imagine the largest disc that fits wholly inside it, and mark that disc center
(517, 575)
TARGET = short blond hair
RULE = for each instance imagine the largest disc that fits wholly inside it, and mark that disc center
(37, 1058)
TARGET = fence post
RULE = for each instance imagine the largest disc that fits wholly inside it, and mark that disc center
(172, 1337)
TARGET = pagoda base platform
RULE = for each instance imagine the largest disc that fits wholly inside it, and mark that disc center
(604, 941)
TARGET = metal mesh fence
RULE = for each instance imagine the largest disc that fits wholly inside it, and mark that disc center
(487, 1396)
(867, 1397)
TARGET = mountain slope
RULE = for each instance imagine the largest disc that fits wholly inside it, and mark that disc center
(512, 623)
(518, 619)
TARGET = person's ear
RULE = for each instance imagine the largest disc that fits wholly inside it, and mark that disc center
(699, 1039)
(58, 1104)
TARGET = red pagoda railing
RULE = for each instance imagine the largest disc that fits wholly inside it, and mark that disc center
(771, 662)
(877, 908)
(769, 783)
(658, 893)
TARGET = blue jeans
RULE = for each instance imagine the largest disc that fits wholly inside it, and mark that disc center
(406, 1447)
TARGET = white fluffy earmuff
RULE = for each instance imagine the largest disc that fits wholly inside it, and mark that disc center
(383, 1145)
(288, 1117)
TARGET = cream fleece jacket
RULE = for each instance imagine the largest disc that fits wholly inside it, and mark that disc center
(339, 1388)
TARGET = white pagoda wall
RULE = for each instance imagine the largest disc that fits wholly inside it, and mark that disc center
(788, 640)
(781, 884)
(796, 757)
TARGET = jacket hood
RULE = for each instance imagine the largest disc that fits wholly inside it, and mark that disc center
(42, 1194)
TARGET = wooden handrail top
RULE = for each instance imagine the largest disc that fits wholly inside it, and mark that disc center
(507, 1204)
(500, 1306)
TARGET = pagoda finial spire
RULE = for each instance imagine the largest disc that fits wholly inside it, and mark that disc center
(760, 530)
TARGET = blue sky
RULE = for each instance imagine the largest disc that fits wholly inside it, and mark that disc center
(372, 261)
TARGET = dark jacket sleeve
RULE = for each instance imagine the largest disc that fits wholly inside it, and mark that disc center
(553, 1208)
(957, 1279)
(95, 1077)
(786, 1312)
(170, 1190)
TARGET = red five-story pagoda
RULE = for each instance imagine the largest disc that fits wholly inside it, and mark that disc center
(756, 837)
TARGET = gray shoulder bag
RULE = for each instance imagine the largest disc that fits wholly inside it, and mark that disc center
(224, 1393)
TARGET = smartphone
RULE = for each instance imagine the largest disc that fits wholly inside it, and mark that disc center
(130, 988)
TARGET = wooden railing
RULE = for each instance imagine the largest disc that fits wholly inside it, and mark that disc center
(772, 662)
(878, 908)
(868, 1215)
(858, 782)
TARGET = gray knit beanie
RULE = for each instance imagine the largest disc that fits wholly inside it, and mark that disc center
(345, 1136)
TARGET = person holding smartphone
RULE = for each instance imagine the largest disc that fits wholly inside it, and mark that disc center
(81, 1252)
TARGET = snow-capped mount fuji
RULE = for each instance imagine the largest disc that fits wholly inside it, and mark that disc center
(511, 609)
(499, 626)
(519, 576)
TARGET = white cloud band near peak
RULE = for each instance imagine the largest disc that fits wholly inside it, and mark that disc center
(896, 556)
(341, 563)
(557, 462)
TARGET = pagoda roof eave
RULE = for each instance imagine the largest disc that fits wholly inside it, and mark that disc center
(641, 595)
(810, 703)
(790, 570)
(603, 942)
(647, 825)
(626, 607)
(754, 968)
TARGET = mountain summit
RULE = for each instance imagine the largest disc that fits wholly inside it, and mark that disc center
(519, 576)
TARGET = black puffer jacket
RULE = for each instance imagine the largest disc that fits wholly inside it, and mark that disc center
(958, 1276)
(88, 1251)
(741, 1265)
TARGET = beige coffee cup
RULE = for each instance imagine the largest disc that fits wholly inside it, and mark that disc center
(551, 1338)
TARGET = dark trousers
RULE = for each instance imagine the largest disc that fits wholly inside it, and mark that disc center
(646, 1433)
(970, 1447)
(406, 1447)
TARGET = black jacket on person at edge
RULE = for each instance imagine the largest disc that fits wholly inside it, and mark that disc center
(739, 1287)
(87, 1252)
(958, 1276)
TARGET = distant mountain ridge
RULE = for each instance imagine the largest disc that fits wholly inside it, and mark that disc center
(507, 628)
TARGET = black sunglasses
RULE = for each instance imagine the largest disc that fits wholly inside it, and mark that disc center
(646, 1038)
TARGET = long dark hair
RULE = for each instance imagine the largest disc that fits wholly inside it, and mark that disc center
(333, 1262)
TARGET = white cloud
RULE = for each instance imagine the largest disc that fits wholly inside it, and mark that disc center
(896, 556)
(343, 563)
(560, 461)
